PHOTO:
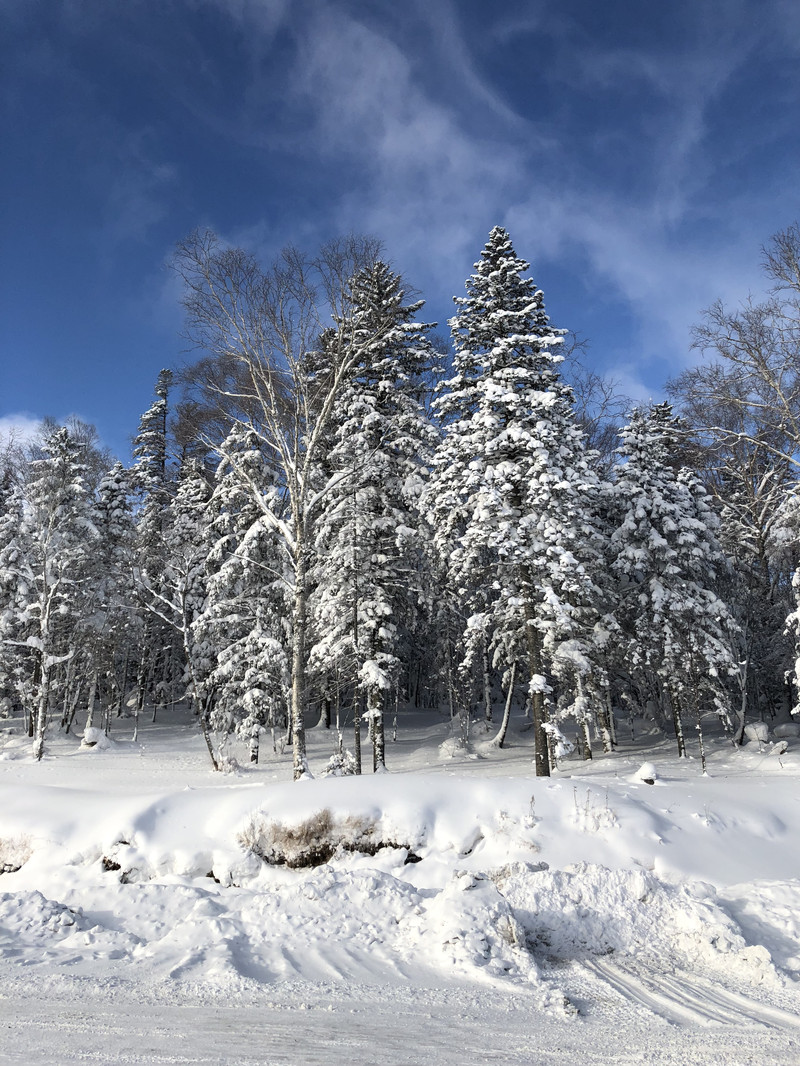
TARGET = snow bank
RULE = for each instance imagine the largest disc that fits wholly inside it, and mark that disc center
(445, 879)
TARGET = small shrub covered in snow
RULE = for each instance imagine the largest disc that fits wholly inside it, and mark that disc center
(342, 764)
(96, 740)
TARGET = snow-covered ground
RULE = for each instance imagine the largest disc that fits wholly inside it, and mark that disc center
(153, 911)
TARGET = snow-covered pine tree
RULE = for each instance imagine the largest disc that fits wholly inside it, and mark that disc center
(153, 488)
(178, 596)
(677, 632)
(113, 595)
(367, 548)
(512, 490)
(16, 656)
(47, 560)
(241, 636)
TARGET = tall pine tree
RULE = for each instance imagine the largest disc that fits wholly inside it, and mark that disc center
(512, 489)
(665, 553)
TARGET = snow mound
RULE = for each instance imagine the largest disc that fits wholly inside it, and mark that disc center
(587, 910)
(31, 920)
(758, 731)
(646, 773)
(96, 740)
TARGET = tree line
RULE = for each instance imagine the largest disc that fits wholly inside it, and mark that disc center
(343, 516)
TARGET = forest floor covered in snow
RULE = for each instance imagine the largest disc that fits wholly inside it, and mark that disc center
(153, 911)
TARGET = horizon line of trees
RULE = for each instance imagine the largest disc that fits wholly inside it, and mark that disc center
(343, 516)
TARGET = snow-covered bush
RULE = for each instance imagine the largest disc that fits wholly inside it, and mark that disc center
(342, 764)
(96, 740)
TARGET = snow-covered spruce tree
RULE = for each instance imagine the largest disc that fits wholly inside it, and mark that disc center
(242, 633)
(367, 545)
(785, 584)
(512, 491)
(113, 595)
(260, 326)
(153, 488)
(177, 595)
(17, 657)
(47, 561)
(676, 646)
(107, 603)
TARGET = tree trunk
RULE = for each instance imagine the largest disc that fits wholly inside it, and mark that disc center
(91, 700)
(702, 745)
(378, 737)
(538, 708)
(141, 680)
(487, 689)
(325, 709)
(41, 710)
(677, 721)
(70, 695)
(587, 741)
(74, 696)
(299, 759)
(337, 712)
(605, 722)
(500, 739)
(738, 734)
(357, 732)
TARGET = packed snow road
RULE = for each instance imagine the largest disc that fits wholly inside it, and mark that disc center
(304, 1024)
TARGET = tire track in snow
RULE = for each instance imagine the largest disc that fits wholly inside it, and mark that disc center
(684, 1000)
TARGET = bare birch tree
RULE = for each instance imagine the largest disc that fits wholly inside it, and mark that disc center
(262, 330)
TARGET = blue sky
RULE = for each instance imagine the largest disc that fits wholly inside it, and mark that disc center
(640, 154)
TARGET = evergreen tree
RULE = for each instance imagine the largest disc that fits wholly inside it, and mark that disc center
(113, 593)
(16, 656)
(154, 490)
(367, 547)
(667, 558)
(46, 565)
(241, 636)
(512, 491)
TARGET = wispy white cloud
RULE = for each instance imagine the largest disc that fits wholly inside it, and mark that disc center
(18, 428)
(418, 177)
(432, 160)
(138, 191)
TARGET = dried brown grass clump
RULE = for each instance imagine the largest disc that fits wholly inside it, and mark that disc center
(14, 853)
(313, 841)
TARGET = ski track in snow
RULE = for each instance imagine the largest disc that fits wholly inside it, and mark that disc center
(590, 920)
(688, 1000)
